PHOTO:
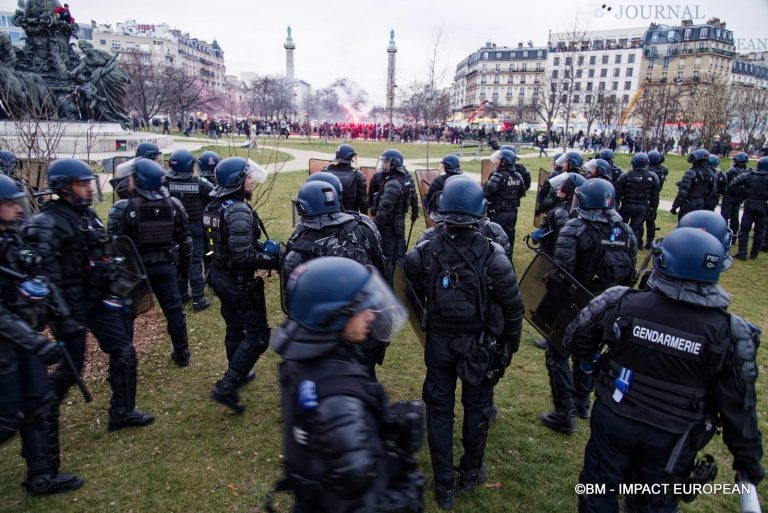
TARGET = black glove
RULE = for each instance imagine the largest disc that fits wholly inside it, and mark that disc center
(68, 328)
(414, 216)
(673, 211)
(754, 475)
(651, 216)
(506, 355)
(49, 352)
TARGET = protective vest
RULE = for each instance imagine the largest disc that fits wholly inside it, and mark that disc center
(665, 352)
(214, 245)
(612, 263)
(703, 183)
(340, 240)
(511, 189)
(455, 282)
(187, 190)
(389, 201)
(735, 193)
(757, 188)
(153, 225)
(348, 190)
(661, 173)
(637, 187)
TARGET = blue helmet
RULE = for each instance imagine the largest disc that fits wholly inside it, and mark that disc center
(323, 293)
(510, 147)
(595, 194)
(690, 254)
(325, 176)
(573, 158)
(9, 189)
(571, 182)
(148, 178)
(504, 159)
(712, 223)
(315, 198)
(148, 150)
(655, 157)
(461, 201)
(606, 154)
(61, 173)
(762, 164)
(8, 162)
(181, 163)
(700, 156)
(345, 153)
(555, 164)
(391, 160)
(601, 168)
(206, 164)
(231, 174)
(713, 161)
(640, 160)
(451, 164)
(740, 158)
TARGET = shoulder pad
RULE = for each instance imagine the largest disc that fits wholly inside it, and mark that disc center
(600, 304)
(747, 339)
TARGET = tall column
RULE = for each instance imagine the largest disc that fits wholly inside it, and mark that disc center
(289, 48)
(391, 51)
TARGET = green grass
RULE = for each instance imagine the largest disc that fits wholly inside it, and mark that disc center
(199, 457)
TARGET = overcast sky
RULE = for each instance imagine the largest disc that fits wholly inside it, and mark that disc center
(336, 39)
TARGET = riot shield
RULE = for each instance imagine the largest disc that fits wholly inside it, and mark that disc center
(368, 172)
(130, 280)
(316, 165)
(405, 293)
(424, 179)
(283, 279)
(552, 299)
(486, 168)
(543, 176)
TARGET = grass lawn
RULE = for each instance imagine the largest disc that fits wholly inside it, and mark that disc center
(198, 456)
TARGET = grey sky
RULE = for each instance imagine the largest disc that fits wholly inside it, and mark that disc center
(349, 39)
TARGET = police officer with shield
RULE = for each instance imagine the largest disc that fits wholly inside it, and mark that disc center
(474, 320)
(503, 191)
(233, 231)
(69, 226)
(755, 186)
(733, 197)
(157, 225)
(354, 197)
(25, 353)
(194, 193)
(677, 364)
(346, 448)
(450, 166)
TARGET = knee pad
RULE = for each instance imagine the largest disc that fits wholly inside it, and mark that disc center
(124, 357)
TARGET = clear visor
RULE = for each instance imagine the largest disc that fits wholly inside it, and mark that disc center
(390, 315)
(561, 160)
(384, 164)
(257, 173)
(496, 157)
(15, 211)
(591, 165)
(558, 181)
(125, 169)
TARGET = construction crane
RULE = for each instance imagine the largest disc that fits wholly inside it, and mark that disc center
(631, 104)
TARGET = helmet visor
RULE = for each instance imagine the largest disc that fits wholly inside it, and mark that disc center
(257, 173)
(377, 296)
(14, 211)
(384, 165)
(496, 157)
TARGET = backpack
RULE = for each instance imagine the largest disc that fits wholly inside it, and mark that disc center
(456, 286)
(614, 265)
(342, 243)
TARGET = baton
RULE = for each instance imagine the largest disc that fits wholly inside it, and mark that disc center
(410, 232)
(78, 380)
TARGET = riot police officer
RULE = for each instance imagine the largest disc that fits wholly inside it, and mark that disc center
(194, 193)
(637, 193)
(396, 192)
(450, 165)
(326, 231)
(598, 168)
(8, 163)
(206, 165)
(519, 167)
(503, 191)
(69, 226)
(354, 197)
(721, 183)
(24, 353)
(656, 161)
(697, 184)
(157, 224)
(545, 195)
(674, 337)
(345, 447)
(733, 197)
(755, 186)
(233, 230)
(149, 150)
(461, 277)
(608, 156)
(599, 251)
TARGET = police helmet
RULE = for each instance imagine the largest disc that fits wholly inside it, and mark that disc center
(148, 178)
(555, 165)
(640, 160)
(655, 157)
(690, 254)
(206, 164)
(504, 159)
(182, 164)
(62, 173)
(391, 160)
(510, 147)
(148, 150)
(762, 164)
(8, 162)
(9, 189)
(451, 164)
(324, 176)
(345, 153)
(567, 182)
(595, 194)
(713, 161)
(461, 201)
(606, 154)
(316, 198)
(323, 293)
(573, 158)
(601, 168)
(740, 158)
(712, 223)
(231, 173)
(700, 156)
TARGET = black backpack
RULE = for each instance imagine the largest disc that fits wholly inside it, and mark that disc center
(614, 265)
(342, 242)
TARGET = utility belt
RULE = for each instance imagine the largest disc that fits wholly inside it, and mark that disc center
(451, 326)
(160, 256)
(506, 205)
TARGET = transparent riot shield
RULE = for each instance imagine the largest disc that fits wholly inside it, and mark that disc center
(424, 179)
(130, 280)
(407, 296)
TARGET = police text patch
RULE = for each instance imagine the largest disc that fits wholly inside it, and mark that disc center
(667, 339)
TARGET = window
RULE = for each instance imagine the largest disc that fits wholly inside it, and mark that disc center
(687, 34)
(538, 66)
(484, 67)
(680, 76)
(498, 67)
(522, 91)
(511, 67)
(603, 73)
(115, 45)
(703, 32)
(629, 72)
(616, 72)
(627, 85)
(525, 54)
(591, 73)
(535, 93)
(495, 91)
(498, 55)
(580, 60)
(592, 60)
(614, 85)
(579, 73)
(522, 79)
(601, 86)
(625, 99)
(539, 54)
(521, 102)
(588, 98)
(509, 91)
(482, 91)
(650, 63)
(666, 62)
(103, 42)
(568, 61)
(509, 79)
(556, 62)
(631, 58)
(617, 60)
(695, 75)
(577, 86)
(575, 98)
(496, 79)
(483, 79)
(555, 73)
(589, 86)
(524, 67)
(605, 59)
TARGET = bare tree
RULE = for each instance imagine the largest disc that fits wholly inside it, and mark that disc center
(148, 92)
(590, 109)
(655, 106)
(187, 93)
(547, 103)
(609, 111)
(710, 105)
(268, 96)
(748, 113)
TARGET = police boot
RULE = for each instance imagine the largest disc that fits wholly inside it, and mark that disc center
(541, 343)
(200, 304)
(49, 484)
(43, 478)
(225, 391)
(247, 378)
(444, 495)
(471, 479)
(561, 420)
(582, 408)
(120, 418)
(180, 357)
